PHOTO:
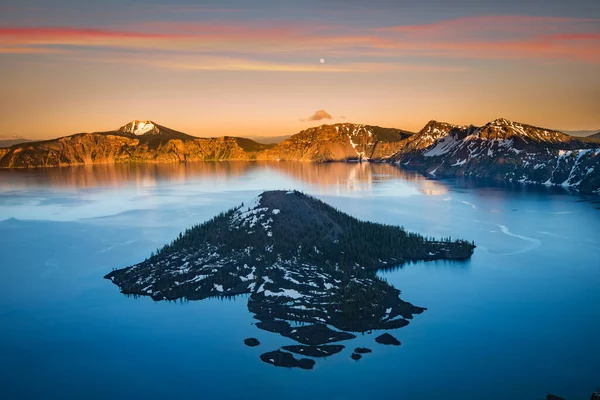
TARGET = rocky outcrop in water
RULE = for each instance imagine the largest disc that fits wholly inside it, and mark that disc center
(309, 269)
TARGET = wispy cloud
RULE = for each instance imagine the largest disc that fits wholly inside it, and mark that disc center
(297, 47)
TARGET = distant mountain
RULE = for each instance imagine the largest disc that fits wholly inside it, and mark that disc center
(269, 139)
(340, 142)
(504, 151)
(7, 141)
(595, 136)
(582, 133)
(299, 260)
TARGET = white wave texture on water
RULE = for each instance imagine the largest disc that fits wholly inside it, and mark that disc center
(535, 243)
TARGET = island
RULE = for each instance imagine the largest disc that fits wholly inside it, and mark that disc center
(308, 268)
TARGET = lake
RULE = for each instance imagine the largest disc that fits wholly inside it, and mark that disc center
(521, 318)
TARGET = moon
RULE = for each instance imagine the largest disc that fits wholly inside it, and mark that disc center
(322, 61)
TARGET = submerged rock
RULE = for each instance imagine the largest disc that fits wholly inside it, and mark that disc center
(280, 358)
(315, 351)
(387, 339)
(362, 350)
(356, 356)
(251, 342)
(309, 334)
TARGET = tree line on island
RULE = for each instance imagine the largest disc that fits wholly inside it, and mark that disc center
(324, 234)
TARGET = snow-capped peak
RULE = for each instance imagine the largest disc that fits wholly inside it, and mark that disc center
(139, 127)
(501, 122)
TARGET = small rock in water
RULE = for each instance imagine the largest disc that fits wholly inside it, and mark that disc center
(362, 350)
(387, 339)
(315, 351)
(280, 358)
(252, 342)
(356, 356)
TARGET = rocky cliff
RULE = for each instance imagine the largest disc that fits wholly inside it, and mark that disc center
(340, 142)
(146, 141)
(134, 142)
(501, 151)
(504, 151)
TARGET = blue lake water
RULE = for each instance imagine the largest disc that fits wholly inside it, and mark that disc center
(520, 319)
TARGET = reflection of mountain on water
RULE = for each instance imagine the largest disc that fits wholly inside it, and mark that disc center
(310, 271)
(117, 175)
(349, 176)
(354, 176)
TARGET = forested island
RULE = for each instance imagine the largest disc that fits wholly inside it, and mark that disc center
(301, 261)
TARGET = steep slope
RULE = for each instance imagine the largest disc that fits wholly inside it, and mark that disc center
(505, 151)
(134, 142)
(340, 142)
(300, 261)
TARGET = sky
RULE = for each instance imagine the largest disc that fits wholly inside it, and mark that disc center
(214, 68)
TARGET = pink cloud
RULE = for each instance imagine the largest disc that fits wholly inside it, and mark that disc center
(281, 47)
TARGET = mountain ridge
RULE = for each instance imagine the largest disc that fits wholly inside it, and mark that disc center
(501, 150)
(505, 151)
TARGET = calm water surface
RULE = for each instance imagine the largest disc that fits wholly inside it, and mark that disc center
(520, 319)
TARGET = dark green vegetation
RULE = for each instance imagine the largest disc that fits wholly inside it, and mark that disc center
(308, 268)
(304, 224)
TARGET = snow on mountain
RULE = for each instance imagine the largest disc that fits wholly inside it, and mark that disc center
(140, 127)
(340, 142)
(504, 150)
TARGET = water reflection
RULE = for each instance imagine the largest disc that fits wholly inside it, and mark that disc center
(343, 176)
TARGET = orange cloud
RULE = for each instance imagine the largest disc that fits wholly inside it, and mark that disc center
(234, 46)
(319, 115)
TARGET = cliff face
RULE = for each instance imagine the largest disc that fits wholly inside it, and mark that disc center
(145, 141)
(95, 148)
(340, 142)
(504, 151)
